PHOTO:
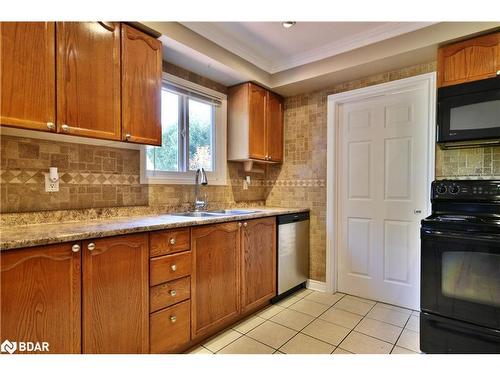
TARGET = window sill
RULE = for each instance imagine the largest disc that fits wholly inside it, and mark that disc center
(184, 180)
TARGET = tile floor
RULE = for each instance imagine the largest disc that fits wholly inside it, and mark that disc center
(310, 322)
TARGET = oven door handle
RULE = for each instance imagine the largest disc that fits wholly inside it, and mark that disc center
(460, 235)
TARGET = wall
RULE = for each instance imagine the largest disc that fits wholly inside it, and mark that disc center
(95, 177)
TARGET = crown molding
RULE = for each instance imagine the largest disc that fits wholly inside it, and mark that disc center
(358, 40)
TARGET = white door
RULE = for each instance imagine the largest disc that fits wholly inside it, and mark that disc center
(383, 194)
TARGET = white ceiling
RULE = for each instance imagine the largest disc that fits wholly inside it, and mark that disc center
(273, 48)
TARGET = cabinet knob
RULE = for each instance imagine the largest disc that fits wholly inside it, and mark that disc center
(65, 128)
(75, 248)
(172, 241)
(173, 318)
(498, 72)
(127, 136)
(51, 126)
(245, 224)
(173, 267)
(239, 224)
(91, 246)
(173, 292)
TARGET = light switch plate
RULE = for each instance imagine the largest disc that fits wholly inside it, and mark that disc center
(50, 186)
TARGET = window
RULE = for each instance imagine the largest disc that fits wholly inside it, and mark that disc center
(193, 135)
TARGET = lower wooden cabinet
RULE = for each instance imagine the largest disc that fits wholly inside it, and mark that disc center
(40, 296)
(258, 262)
(116, 295)
(170, 328)
(215, 277)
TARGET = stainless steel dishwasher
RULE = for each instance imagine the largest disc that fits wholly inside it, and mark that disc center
(293, 253)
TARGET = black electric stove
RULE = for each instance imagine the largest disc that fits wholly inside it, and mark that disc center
(460, 268)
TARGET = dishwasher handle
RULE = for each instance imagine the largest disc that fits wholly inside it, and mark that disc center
(293, 218)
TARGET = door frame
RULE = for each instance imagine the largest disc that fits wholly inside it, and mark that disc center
(428, 80)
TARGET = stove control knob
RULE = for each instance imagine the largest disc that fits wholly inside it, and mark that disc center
(441, 189)
(455, 189)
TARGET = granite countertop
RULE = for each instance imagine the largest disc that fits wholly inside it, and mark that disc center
(14, 237)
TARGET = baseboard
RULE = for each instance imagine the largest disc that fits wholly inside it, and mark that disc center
(319, 286)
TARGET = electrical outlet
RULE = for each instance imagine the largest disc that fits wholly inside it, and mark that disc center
(245, 185)
(51, 186)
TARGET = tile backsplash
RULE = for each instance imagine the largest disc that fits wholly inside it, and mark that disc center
(481, 162)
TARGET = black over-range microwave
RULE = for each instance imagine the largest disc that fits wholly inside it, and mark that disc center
(469, 113)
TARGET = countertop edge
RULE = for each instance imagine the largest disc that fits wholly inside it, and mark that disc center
(129, 228)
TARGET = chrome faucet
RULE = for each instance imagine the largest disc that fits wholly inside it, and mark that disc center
(200, 204)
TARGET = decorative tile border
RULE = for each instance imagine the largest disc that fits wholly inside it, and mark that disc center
(70, 178)
(284, 183)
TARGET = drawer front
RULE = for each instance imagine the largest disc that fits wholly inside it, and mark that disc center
(169, 267)
(169, 241)
(168, 294)
(170, 328)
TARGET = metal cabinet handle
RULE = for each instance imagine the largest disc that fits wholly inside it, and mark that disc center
(173, 292)
(172, 241)
(75, 248)
(173, 267)
(65, 128)
(51, 126)
(173, 318)
(245, 224)
(91, 246)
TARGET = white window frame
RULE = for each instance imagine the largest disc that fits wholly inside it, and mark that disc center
(217, 177)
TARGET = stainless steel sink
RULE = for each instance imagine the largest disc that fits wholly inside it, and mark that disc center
(192, 214)
(215, 213)
(232, 212)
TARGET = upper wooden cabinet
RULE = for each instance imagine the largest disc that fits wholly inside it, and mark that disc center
(215, 277)
(108, 80)
(470, 60)
(116, 295)
(258, 262)
(40, 296)
(255, 124)
(88, 79)
(141, 87)
(28, 84)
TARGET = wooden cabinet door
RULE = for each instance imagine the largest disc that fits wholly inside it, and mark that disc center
(257, 122)
(88, 79)
(40, 297)
(27, 90)
(274, 131)
(116, 295)
(215, 283)
(470, 60)
(141, 87)
(258, 262)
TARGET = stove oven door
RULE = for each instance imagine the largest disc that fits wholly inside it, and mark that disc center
(460, 276)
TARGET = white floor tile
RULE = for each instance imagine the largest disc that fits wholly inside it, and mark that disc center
(400, 350)
(413, 323)
(272, 334)
(220, 341)
(303, 344)
(329, 332)
(388, 316)
(246, 345)
(324, 298)
(341, 317)
(292, 319)
(409, 340)
(354, 305)
(309, 307)
(380, 330)
(249, 324)
(270, 311)
(288, 301)
(359, 343)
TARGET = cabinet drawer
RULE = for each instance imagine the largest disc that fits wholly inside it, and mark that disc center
(170, 293)
(170, 328)
(169, 267)
(169, 241)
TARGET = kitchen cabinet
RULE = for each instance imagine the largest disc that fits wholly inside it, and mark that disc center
(141, 87)
(28, 83)
(255, 124)
(40, 296)
(116, 295)
(258, 262)
(215, 277)
(469, 60)
(88, 79)
(108, 78)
